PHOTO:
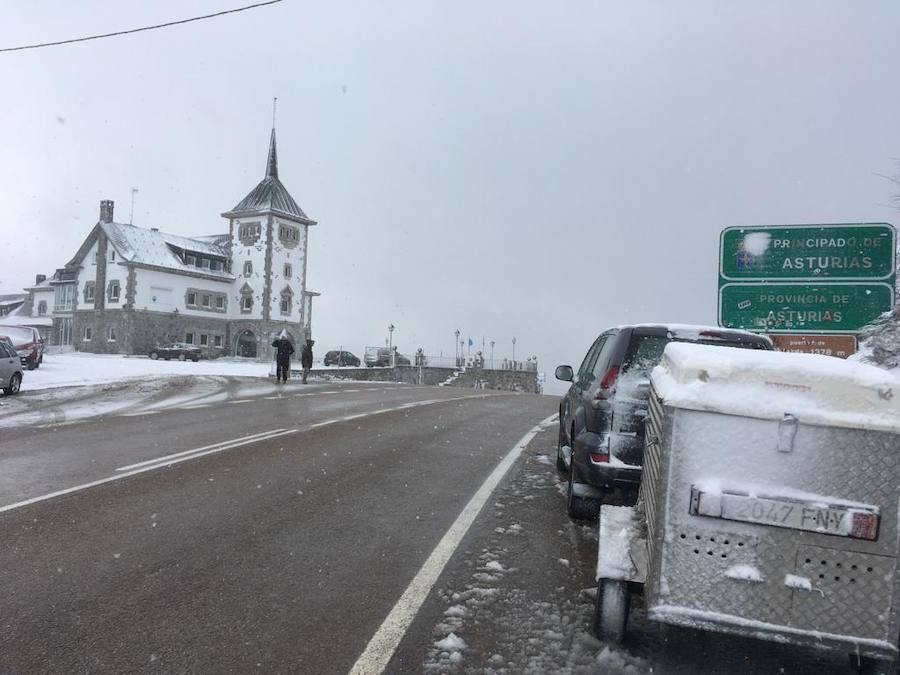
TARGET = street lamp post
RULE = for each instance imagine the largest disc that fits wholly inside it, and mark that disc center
(492, 354)
(456, 346)
(514, 353)
(391, 343)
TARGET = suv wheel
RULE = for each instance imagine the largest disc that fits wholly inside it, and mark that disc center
(579, 508)
(154, 356)
(15, 382)
(181, 357)
(560, 461)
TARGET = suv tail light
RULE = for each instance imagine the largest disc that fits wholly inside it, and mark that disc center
(609, 379)
(599, 457)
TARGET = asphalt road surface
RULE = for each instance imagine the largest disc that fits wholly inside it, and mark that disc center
(279, 544)
(235, 526)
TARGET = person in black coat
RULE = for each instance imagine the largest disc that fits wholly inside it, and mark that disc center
(306, 358)
(283, 351)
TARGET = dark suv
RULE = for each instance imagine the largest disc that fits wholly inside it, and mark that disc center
(601, 417)
(341, 358)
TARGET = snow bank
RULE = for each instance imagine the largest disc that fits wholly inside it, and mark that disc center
(816, 389)
(451, 643)
(79, 368)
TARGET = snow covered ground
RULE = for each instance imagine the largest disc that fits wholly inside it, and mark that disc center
(78, 368)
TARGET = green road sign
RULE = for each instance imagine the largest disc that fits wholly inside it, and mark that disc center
(838, 307)
(815, 252)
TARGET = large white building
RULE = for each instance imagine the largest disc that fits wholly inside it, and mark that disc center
(129, 289)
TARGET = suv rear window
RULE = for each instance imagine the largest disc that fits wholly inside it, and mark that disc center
(645, 351)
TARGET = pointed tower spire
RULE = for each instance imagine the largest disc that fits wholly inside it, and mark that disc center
(272, 163)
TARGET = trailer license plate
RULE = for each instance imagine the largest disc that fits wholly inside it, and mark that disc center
(858, 522)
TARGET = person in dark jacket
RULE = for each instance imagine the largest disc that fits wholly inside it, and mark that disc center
(283, 351)
(306, 358)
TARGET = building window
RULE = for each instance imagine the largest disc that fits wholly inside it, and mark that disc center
(220, 302)
(112, 256)
(215, 265)
(64, 299)
(89, 291)
(247, 304)
(42, 308)
(288, 271)
(204, 263)
(207, 300)
(285, 305)
(217, 340)
(110, 334)
(190, 260)
(88, 333)
(204, 339)
(189, 338)
(113, 291)
(248, 268)
(249, 230)
(191, 298)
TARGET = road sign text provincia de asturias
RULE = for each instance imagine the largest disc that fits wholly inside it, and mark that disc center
(800, 278)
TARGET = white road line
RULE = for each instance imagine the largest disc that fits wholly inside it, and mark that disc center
(143, 412)
(382, 411)
(60, 424)
(243, 400)
(381, 647)
(243, 439)
(195, 406)
(272, 397)
(120, 476)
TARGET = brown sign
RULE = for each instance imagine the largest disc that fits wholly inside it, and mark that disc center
(841, 346)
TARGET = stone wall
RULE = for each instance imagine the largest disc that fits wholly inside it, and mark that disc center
(500, 380)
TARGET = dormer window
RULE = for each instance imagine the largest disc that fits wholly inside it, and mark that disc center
(248, 268)
(190, 260)
(89, 291)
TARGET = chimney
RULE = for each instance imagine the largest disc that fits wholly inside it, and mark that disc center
(106, 211)
(39, 279)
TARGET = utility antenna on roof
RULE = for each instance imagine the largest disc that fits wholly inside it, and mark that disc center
(274, 109)
(131, 217)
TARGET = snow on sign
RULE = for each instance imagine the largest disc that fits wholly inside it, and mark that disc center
(806, 278)
(840, 252)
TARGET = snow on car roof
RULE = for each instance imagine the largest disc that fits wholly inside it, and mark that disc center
(821, 390)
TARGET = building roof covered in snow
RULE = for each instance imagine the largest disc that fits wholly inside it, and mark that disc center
(160, 249)
(270, 195)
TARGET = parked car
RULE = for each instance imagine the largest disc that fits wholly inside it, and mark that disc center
(382, 357)
(27, 342)
(10, 369)
(341, 358)
(601, 417)
(177, 350)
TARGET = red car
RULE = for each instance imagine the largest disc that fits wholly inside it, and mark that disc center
(27, 342)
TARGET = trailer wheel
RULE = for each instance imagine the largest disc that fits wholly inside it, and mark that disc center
(611, 610)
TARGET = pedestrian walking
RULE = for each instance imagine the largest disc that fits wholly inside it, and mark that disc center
(306, 358)
(283, 351)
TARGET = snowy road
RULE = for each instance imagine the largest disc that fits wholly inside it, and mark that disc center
(284, 554)
(228, 525)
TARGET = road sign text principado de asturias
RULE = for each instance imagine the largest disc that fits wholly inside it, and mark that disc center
(806, 278)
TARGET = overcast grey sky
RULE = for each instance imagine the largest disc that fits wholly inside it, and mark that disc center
(530, 169)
